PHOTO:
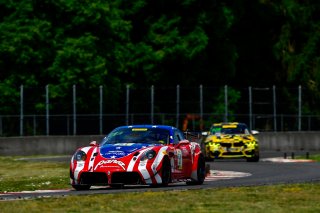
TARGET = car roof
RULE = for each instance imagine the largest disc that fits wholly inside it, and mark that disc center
(229, 124)
(149, 126)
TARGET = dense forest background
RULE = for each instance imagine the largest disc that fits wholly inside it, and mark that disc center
(165, 43)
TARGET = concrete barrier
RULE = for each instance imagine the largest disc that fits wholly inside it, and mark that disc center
(289, 141)
(66, 145)
(44, 145)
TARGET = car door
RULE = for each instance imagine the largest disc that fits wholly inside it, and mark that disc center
(183, 158)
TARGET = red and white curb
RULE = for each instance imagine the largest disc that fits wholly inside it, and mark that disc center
(286, 160)
(215, 175)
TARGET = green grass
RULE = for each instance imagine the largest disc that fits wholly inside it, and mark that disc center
(20, 175)
(313, 157)
(17, 175)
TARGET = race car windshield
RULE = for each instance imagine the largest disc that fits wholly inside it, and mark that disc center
(232, 131)
(137, 135)
(215, 130)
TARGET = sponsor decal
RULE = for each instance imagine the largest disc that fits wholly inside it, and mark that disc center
(179, 156)
(229, 126)
(140, 129)
(123, 144)
(112, 161)
(116, 153)
(184, 150)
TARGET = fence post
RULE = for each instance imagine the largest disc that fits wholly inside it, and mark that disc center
(250, 107)
(34, 125)
(101, 109)
(74, 110)
(47, 110)
(178, 106)
(1, 131)
(21, 110)
(226, 103)
(201, 107)
(274, 109)
(127, 105)
(152, 103)
(299, 108)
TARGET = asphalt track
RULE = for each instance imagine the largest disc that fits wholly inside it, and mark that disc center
(272, 169)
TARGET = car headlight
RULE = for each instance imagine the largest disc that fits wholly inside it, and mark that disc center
(148, 155)
(80, 156)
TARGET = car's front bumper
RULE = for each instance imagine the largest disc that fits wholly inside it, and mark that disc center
(223, 150)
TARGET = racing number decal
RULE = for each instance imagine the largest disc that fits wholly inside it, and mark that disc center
(179, 156)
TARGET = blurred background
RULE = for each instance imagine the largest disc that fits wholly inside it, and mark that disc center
(85, 67)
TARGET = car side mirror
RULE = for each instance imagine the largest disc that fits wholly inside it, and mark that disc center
(254, 132)
(204, 133)
(183, 142)
(94, 143)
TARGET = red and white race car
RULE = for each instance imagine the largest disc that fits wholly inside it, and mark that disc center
(139, 154)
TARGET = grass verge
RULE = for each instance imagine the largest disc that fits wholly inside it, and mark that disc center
(18, 175)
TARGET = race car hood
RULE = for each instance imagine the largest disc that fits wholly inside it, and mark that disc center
(229, 137)
(122, 149)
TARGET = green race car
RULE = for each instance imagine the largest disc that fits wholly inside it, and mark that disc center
(231, 140)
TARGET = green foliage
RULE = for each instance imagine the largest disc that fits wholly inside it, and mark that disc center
(297, 47)
(189, 42)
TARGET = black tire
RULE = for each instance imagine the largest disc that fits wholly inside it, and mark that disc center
(166, 172)
(255, 158)
(201, 172)
(80, 186)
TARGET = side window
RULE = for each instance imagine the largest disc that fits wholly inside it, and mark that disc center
(178, 136)
(181, 135)
(246, 131)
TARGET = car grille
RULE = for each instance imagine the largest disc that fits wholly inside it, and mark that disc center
(94, 178)
(233, 153)
(228, 145)
(126, 178)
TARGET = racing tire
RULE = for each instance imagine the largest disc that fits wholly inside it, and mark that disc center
(201, 172)
(166, 172)
(255, 158)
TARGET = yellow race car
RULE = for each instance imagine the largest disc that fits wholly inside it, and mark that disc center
(231, 140)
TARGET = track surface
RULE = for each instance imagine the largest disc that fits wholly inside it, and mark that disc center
(224, 173)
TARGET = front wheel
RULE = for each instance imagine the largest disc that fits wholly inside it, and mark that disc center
(254, 158)
(166, 172)
(201, 172)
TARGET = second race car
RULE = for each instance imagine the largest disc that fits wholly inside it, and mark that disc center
(138, 154)
(231, 140)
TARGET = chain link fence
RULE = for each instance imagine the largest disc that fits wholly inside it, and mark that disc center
(188, 108)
